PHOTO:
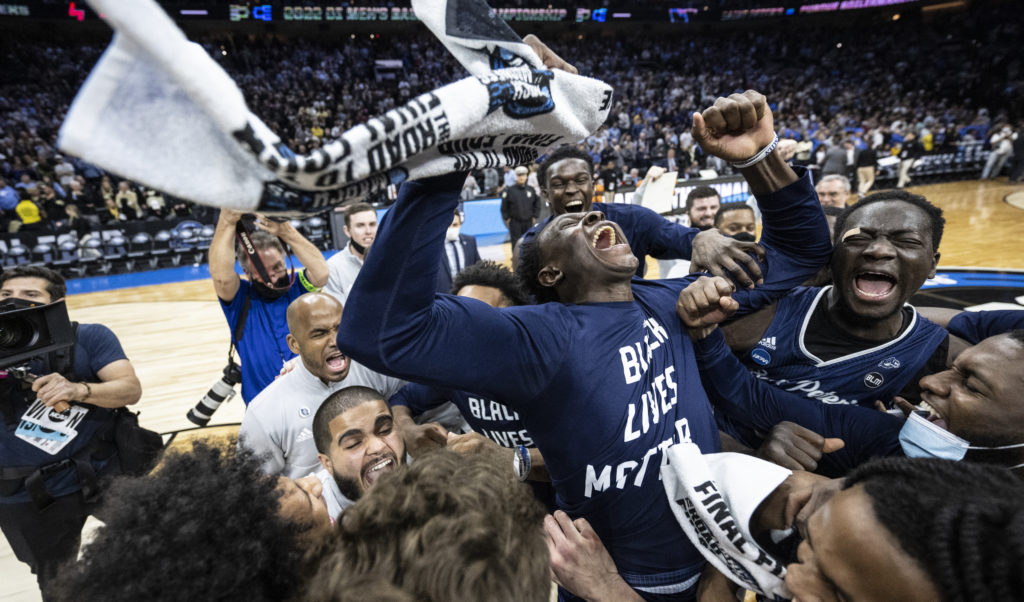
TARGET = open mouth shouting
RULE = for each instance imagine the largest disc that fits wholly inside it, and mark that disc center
(874, 286)
(933, 416)
(574, 206)
(377, 467)
(603, 238)
(337, 362)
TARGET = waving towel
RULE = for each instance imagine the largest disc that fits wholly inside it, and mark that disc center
(158, 110)
(714, 497)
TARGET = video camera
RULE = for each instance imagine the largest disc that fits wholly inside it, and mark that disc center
(29, 330)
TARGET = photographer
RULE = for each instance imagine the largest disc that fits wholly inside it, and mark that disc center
(48, 486)
(256, 308)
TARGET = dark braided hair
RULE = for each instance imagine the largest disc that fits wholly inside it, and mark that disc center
(962, 522)
(934, 213)
(494, 275)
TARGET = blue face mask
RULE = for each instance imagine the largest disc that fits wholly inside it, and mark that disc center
(920, 438)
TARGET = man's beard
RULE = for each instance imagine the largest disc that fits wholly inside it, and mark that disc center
(348, 487)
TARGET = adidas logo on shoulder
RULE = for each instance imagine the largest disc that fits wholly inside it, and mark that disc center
(304, 435)
(767, 343)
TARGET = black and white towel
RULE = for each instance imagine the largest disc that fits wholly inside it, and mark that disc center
(158, 110)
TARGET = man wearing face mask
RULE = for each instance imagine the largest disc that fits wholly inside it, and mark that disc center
(460, 253)
(737, 220)
(260, 301)
(973, 410)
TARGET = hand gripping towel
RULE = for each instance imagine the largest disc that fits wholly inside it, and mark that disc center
(158, 110)
(714, 497)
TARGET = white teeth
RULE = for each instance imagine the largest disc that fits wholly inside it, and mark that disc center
(597, 235)
(867, 294)
(931, 411)
(379, 465)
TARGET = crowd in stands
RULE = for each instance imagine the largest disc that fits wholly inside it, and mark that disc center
(955, 80)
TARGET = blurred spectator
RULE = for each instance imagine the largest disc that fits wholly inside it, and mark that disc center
(1002, 147)
(8, 201)
(128, 201)
(30, 214)
(910, 151)
(491, 181)
(470, 189)
(833, 190)
(866, 168)
(64, 171)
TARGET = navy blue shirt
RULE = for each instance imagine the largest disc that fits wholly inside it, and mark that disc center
(602, 388)
(755, 403)
(647, 232)
(490, 418)
(976, 326)
(96, 348)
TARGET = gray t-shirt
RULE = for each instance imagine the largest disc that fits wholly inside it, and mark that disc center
(279, 421)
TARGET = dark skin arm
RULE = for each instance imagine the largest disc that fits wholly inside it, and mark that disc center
(418, 438)
(737, 128)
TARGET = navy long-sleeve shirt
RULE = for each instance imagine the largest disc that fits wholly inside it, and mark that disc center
(757, 404)
(603, 388)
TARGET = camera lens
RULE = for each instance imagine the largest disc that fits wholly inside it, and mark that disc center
(15, 334)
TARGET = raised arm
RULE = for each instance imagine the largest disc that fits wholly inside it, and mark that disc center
(222, 256)
(312, 259)
(795, 237)
(394, 324)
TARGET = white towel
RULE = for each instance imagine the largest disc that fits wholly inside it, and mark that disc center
(714, 497)
(158, 110)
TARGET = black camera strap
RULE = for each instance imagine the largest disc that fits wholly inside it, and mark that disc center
(236, 336)
(243, 233)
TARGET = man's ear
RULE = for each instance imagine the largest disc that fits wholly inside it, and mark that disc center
(325, 461)
(550, 276)
(345, 228)
(293, 343)
(935, 265)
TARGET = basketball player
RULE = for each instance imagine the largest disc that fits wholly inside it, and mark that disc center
(604, 378)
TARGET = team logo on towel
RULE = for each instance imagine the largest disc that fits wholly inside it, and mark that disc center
(889, 363)
(761, 356)
(521, 93)
(873, 380)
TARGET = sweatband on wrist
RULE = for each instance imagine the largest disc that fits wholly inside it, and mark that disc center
(764, 152)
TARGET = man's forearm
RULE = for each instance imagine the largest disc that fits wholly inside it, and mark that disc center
(110, 394)
(222, 256)
(769, 175)
(310, 256)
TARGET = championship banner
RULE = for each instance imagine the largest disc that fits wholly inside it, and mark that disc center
(158, 110)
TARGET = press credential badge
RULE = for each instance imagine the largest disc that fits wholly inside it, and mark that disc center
(48, 429)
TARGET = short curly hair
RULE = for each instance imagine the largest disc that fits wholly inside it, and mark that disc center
(203, 525)
(448, 527)
(566, 151)
(494, 275)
